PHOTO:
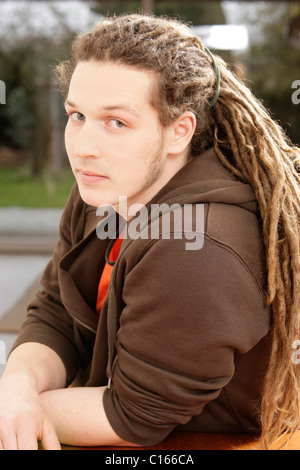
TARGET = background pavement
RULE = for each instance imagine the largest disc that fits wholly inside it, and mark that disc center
(32, 231)
(27, 239)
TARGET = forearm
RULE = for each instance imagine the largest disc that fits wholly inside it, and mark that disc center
(79, 417)
(37, 365)
(77, 414)
(31, 369)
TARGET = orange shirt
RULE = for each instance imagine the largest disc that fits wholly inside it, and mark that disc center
(106, 275)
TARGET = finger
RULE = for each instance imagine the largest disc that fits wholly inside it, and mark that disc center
(49, 439)
(27, 440)
(9, 442)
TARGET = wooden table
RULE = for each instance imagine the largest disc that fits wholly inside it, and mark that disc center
(200, 441)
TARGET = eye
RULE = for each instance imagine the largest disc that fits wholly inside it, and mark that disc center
(77, 116)
(116, 124)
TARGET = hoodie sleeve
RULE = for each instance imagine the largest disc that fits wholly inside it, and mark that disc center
(186, 314)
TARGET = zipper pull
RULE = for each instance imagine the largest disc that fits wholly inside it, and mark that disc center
(109, 382)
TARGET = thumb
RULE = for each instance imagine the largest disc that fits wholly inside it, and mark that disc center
(49, 439)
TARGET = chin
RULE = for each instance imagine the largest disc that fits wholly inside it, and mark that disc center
(96, 198)
(89, 196)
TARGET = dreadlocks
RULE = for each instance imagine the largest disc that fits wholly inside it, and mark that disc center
(249, 143)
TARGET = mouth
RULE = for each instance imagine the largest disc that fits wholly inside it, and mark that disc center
(90, 177)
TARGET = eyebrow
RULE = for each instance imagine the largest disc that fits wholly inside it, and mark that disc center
(69, 103)
(123, 107)
(114, 107)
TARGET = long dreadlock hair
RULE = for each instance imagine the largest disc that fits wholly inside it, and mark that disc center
(249, 143)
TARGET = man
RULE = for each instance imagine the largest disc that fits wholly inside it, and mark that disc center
(154, 334)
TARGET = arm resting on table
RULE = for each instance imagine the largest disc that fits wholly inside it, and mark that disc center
(34, 406)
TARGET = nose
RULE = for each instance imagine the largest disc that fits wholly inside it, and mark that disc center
(86, 141)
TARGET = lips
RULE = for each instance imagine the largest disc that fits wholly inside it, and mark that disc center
(90, 177)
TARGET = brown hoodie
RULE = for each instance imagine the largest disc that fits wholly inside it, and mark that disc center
(183, 335)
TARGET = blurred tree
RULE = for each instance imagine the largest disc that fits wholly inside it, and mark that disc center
(274, 64)
(33, 119)
(198, 13)
(25, 119)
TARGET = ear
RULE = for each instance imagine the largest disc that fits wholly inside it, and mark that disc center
(181, 133)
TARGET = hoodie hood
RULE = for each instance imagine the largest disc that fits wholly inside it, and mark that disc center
(205, 180)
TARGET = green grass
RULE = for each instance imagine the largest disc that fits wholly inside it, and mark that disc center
(17, 188)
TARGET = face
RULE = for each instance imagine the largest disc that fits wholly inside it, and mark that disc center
(114, 139)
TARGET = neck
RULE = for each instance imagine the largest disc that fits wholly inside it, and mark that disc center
(127, 207)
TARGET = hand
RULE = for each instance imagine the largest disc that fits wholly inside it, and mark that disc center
(23, 420)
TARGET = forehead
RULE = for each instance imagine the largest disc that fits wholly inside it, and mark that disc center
(106, 83)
